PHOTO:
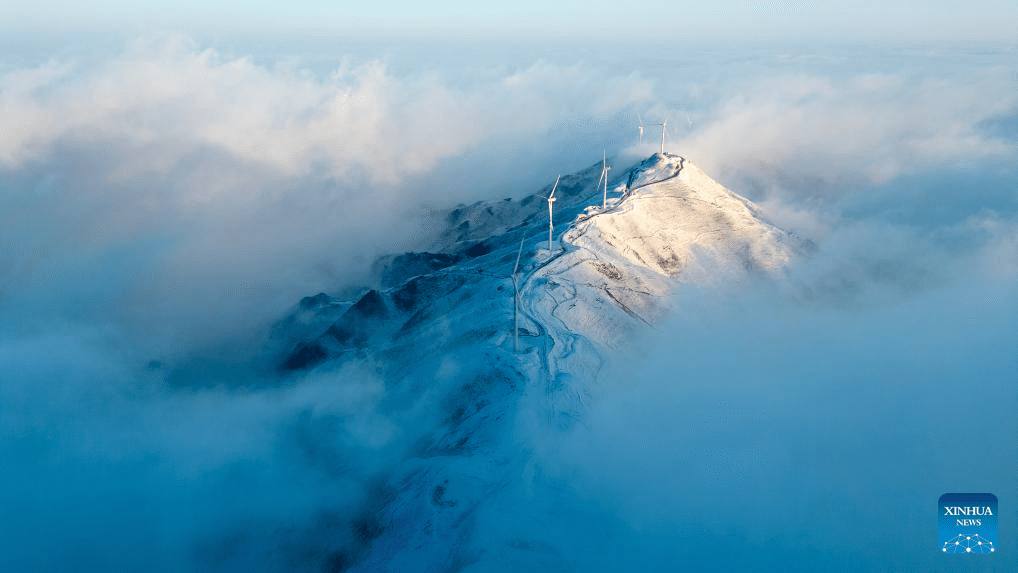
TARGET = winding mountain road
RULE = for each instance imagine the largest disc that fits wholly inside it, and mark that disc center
(542, 297)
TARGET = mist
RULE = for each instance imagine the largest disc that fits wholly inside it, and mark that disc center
(161, 207)
(801, 426)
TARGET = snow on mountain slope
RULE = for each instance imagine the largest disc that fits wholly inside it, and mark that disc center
(439, 331)
(673, 224)
(661, 224)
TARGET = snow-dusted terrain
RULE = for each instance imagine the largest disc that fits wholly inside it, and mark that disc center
(438, 328)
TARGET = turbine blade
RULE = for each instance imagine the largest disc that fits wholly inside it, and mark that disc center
(554, 188)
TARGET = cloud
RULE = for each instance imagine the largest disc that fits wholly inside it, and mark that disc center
(834, 396)
(868, 128)
(359, 117)
(110, 466)
(806, 135)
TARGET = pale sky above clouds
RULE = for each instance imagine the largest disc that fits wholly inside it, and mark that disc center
(893, 20)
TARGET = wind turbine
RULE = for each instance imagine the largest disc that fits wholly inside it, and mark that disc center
(516, 299)
(664, 126)
(641, 127)
(604, 176)
(551, 199)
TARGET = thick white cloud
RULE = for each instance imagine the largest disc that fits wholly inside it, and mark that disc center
(862, 129)
(361, 116)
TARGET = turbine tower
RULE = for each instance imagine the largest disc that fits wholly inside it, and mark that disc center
(551, 199)
(604, 176)
(641, 128)
(664, 126)
(516, 299)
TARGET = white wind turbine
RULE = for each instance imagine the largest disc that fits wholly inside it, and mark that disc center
(664, 126)
(604, 177)
(516, 299)
(641, 128)
(551, 199)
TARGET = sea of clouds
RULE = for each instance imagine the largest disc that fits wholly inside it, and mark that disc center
(163, 205)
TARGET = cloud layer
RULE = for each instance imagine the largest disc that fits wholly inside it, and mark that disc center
(160, 208)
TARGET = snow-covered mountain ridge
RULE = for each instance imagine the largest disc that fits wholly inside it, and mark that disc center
(439, 331)
(666, 222)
